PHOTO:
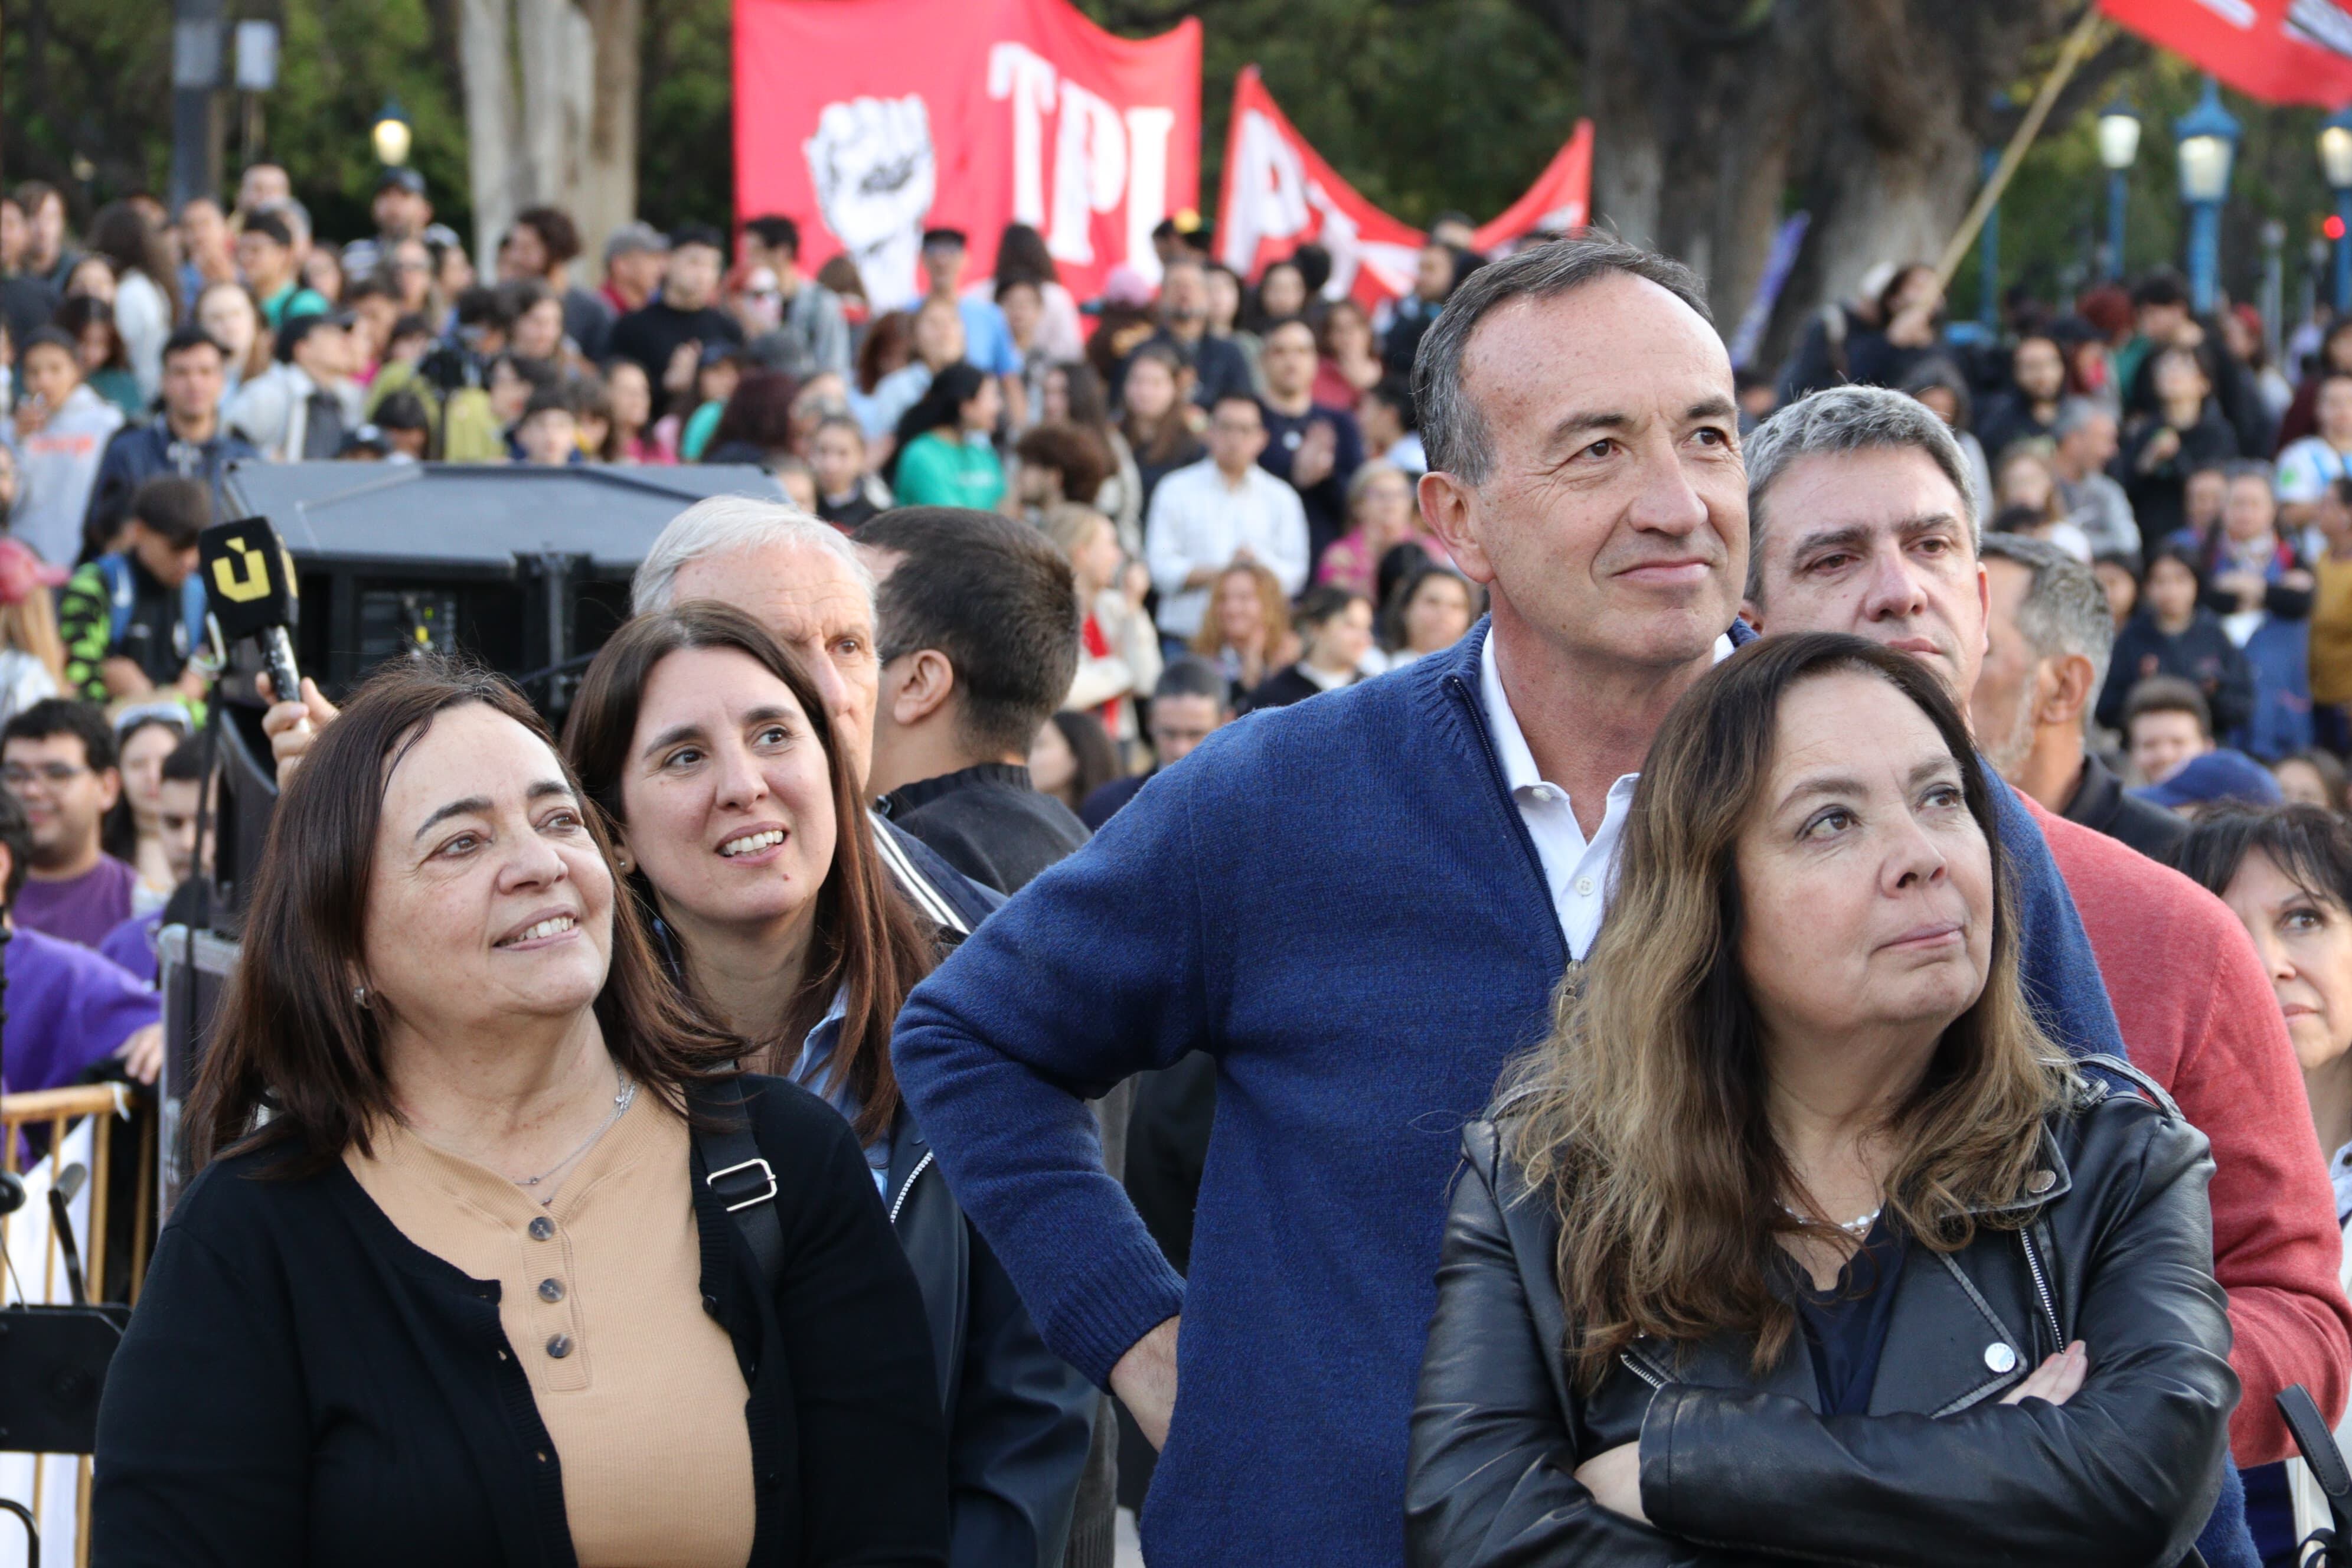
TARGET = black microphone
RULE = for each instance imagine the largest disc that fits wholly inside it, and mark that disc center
(250, 588)
(61, 1195)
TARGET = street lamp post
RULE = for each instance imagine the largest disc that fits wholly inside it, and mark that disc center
(2207, 143)
(196, 80)
(392, 134)
(2336, 162)
(2118, 148)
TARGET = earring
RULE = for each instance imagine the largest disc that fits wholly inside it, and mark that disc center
(359, 996)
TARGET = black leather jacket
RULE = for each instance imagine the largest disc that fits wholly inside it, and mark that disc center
(2119, 1254)
(1020, 1418)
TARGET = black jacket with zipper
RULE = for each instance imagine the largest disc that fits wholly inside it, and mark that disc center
(1736, 1467)
(1018, 1418)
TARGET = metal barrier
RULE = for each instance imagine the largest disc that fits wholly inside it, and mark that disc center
(114, 1111)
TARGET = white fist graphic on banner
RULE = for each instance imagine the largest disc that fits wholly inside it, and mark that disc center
(875, 173)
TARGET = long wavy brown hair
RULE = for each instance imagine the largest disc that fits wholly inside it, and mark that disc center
(292, 1036)
(1274, 613)
(1643, 1118)
(868, 940)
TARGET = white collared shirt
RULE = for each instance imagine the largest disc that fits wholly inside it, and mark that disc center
(1580, 871)
(1199, 520)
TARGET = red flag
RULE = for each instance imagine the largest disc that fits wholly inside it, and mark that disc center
(1559, 200)
(2281, 51)
(1279, 194)
(868, 121)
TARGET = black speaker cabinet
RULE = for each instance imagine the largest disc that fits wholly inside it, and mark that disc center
(526, 568)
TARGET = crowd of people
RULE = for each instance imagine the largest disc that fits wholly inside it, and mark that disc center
(1435, 898)
(1214, 425)
(2203, 484)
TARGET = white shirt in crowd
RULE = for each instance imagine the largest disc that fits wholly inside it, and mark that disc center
(1198, 519)
(23, 680)
(273, 410)
(1580, 871)
(56, 467)
(2307, 468)
(2098, 505)
(142, 314)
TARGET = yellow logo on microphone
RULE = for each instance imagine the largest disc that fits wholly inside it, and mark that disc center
(242, 586)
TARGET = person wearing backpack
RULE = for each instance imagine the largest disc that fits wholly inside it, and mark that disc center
(738, 821)
(133, 619)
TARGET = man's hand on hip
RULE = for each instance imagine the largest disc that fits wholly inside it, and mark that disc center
(1145, 1381)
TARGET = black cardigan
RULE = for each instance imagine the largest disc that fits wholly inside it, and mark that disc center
(303, 1384)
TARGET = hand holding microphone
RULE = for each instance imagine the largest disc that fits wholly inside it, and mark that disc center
(250, 586)
(292, 726)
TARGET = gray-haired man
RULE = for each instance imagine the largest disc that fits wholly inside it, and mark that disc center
(2048, 635)
(2094, 503)
(804, 582)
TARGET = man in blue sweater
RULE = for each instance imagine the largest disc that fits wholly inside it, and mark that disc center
(1361, 907)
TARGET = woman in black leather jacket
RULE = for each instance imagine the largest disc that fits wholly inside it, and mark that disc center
(736, 819)
(1797, 1239)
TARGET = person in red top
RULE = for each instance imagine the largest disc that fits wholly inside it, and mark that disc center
(1860, 525)
(1118, 646)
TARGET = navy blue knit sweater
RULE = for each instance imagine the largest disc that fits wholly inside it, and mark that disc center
(1338, 901)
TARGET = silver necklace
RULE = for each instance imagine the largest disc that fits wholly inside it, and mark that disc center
(622, 1096)
(1859, 1226)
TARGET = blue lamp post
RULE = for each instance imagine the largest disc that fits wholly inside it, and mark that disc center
(2119, 149)
(2206, 141)
(2336, 162)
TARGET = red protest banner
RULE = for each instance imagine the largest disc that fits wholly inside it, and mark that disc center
(1279, 194)
(2281, 51)
(1559, 200)
(868, 121)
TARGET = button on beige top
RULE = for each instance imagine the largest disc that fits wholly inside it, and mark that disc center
(600, 1294)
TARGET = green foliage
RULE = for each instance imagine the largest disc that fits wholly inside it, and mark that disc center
(86, 87)
(85, 93)
(685, 145)
(1421, 107)
(339, 60)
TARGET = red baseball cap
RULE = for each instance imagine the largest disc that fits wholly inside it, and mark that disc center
(22, 572)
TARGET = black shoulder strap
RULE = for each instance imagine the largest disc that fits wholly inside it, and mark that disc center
(739, 1175)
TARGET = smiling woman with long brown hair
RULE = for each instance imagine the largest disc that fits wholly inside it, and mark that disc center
(1796, 1170)
(494, 1282)
(740, 827)
(653, 731)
